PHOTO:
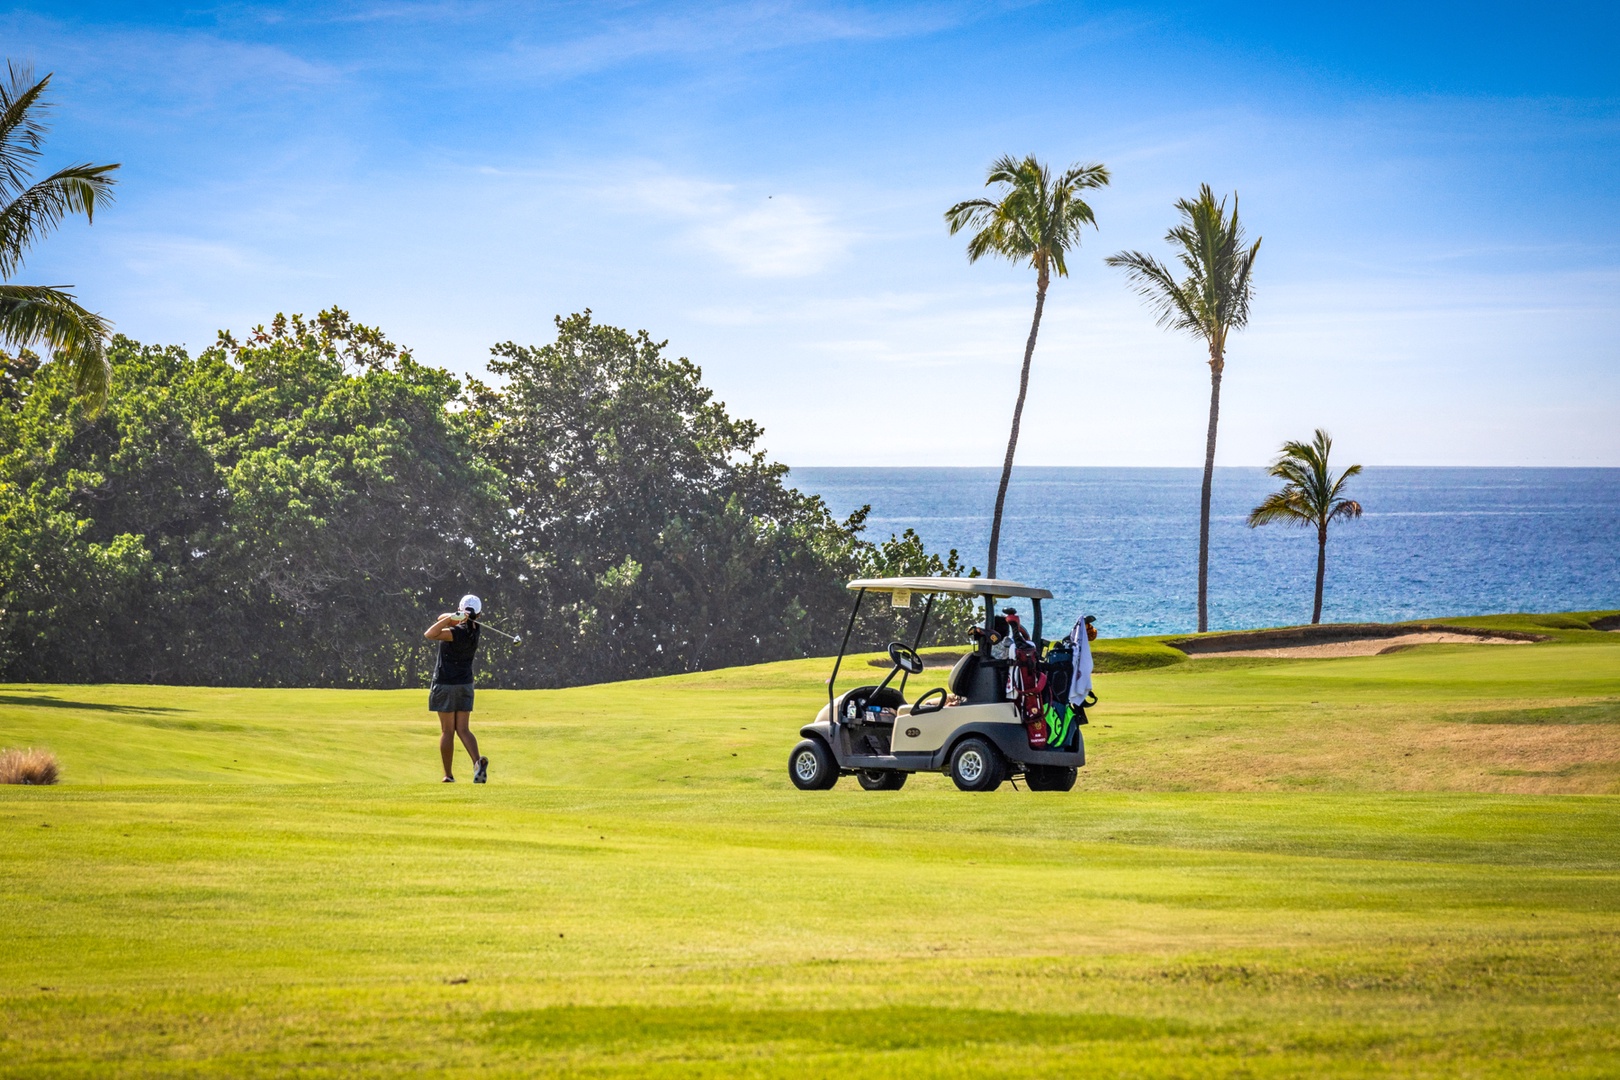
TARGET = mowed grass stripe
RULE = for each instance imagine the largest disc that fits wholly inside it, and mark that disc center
(242, 873)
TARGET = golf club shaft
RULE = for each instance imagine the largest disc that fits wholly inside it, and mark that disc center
(498, 630)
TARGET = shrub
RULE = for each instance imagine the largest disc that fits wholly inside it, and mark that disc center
(28, 767)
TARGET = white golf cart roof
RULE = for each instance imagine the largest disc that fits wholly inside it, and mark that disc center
(976, 586)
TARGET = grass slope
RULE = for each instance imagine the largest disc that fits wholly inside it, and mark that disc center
(1402, 865)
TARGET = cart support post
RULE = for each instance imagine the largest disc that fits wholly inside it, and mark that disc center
(832, 711)
(989, 625)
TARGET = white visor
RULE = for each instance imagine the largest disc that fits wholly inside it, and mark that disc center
(471, 603)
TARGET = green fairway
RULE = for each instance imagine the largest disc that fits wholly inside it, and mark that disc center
(1398, 865)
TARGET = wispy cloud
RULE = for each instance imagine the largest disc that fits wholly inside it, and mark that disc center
(179, 66)
(770, 236)
(638, 31)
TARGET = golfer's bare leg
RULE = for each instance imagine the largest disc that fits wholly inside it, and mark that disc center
(463, 720)
(447, 740)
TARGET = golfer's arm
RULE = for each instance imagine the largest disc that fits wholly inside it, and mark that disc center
(440, 631)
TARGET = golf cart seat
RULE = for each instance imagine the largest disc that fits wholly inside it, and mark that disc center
(977, 680)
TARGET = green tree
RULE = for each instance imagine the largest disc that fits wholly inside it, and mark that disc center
(1211, 302)
(1311, 496)
(279, 512)
(1037, 219)
(31, 314)
(288, 508)
(358, 500)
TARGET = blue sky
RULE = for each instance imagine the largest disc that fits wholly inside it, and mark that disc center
(763, 184)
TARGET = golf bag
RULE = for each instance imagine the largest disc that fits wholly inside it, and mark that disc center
(1026, 687)
(1063, 717)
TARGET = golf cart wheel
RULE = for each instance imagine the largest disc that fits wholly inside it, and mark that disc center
(977, 766)
(811, 766)
(881, 779)
(1050, 777)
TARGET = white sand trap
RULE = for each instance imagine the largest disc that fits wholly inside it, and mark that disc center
(1367, 646)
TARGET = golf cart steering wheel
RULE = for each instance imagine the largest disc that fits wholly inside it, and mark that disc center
(905, 658)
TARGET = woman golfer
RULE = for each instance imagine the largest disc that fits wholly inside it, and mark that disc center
(451, 695)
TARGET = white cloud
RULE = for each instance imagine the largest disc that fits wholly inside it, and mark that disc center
(770, 236)
(784, 238)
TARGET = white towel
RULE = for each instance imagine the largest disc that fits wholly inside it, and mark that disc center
(1080, 681)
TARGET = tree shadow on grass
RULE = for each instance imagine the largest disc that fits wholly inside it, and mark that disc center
(45, 701)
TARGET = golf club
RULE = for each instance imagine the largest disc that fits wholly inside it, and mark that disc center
(513, 638)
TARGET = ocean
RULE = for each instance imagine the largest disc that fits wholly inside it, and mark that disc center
(1122, 544)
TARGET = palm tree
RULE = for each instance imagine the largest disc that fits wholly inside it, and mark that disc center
(28, 211)
(1036, 219)
(1211, 303)
(1310, 496)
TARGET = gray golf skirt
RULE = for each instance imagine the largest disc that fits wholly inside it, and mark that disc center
(457, 697)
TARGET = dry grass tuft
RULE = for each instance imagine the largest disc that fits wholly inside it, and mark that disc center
(28, 767)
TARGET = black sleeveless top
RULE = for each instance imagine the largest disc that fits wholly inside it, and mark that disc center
(455, 666)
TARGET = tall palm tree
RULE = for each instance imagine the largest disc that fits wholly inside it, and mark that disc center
(1036, 218)
(1210, 303)
(30, 314)
(1310, 496)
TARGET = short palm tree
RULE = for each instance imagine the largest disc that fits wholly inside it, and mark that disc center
(1035, 218)
(30, 314)
(1311, 496)
(1210, 303)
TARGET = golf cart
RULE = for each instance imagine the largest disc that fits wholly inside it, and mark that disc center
(992, 721)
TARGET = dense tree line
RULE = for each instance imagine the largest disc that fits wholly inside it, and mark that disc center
(292, 508)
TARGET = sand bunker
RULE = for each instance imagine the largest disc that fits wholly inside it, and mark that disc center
(1326, 642)
(1368, 646)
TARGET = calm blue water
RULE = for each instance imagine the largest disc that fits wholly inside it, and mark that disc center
(1123, 543)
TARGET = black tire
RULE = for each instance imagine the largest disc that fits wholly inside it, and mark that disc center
(1050, 777)
(811, 766)
(977, 766)
(881, 779)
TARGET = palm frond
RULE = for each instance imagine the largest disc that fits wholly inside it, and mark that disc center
(30, 314)
(1083, 177)
(1173, 306)
(967, 214)
(1354, 470)
(1009, 170)
(1309, 486)
(22, 125)
(1036, 218)
(1281, 506)
(1214, 297)
(40, 208)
